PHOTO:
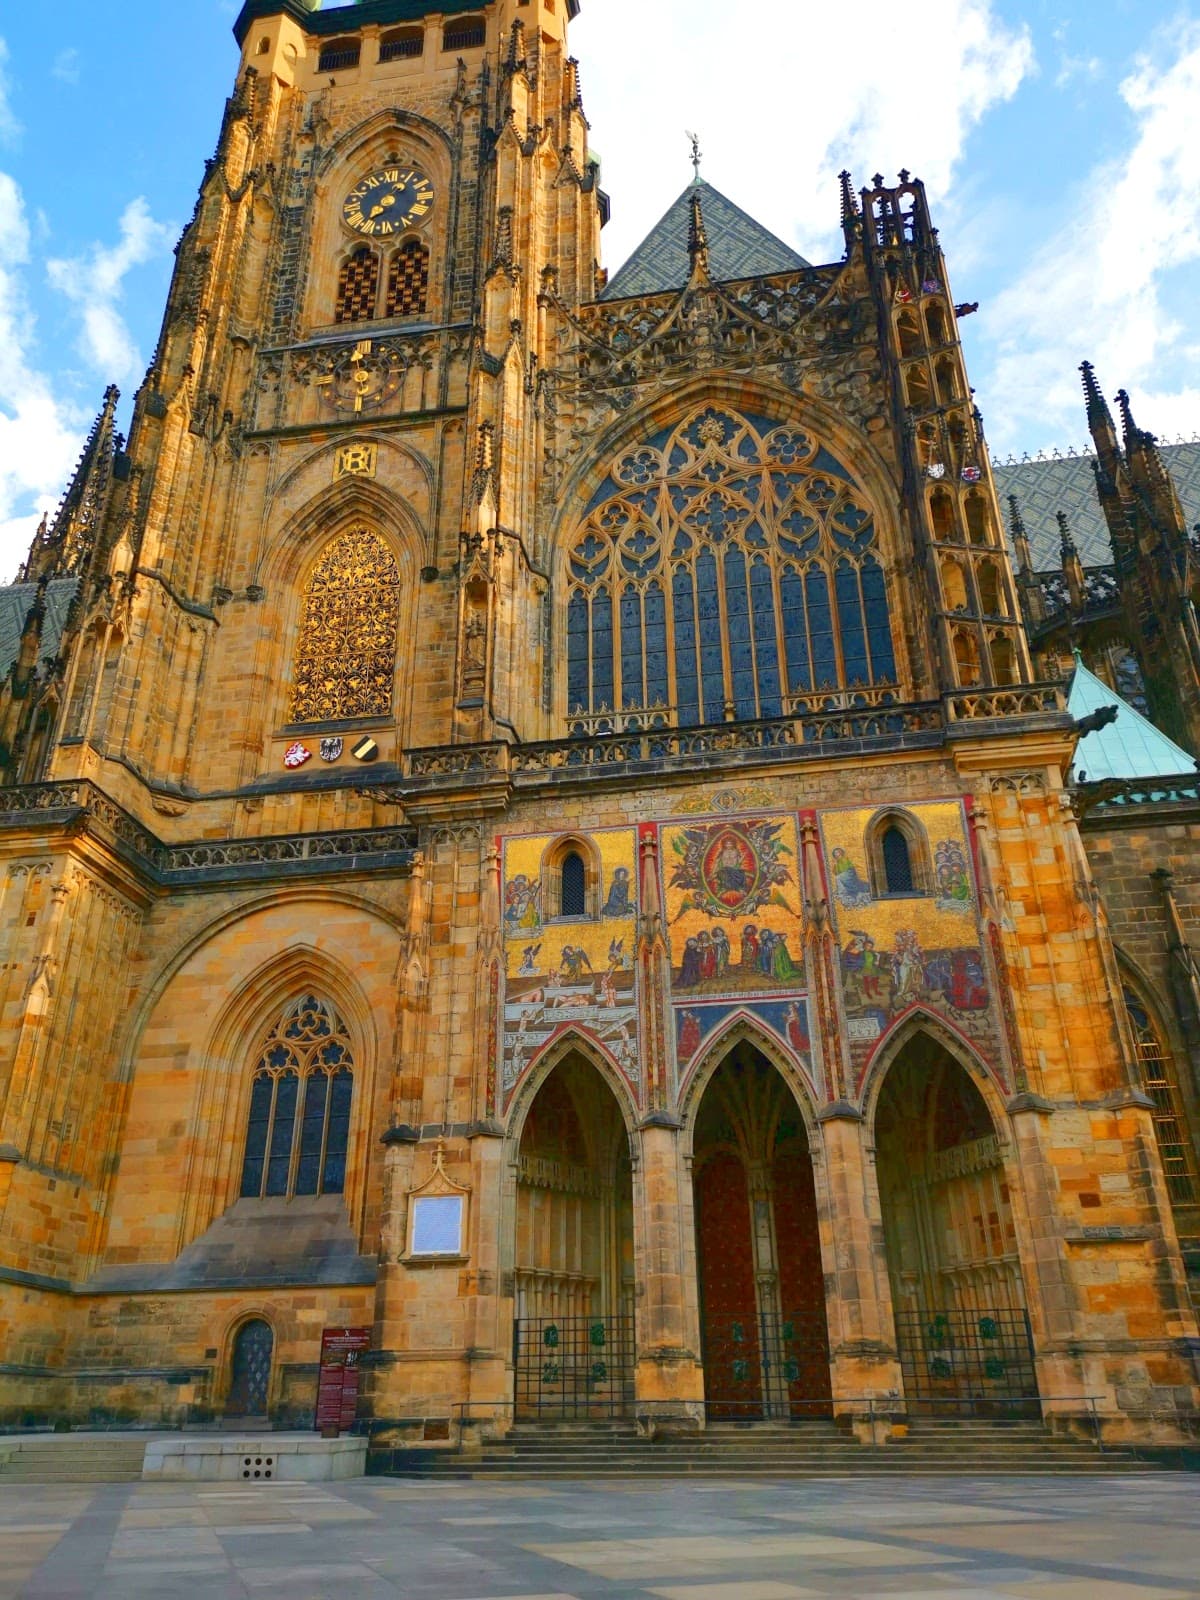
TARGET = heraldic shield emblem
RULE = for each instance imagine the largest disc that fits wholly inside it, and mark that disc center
(331, 749)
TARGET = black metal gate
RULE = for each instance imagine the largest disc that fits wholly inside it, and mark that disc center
(978, 1361)
(574, 1367)
(767, 1367)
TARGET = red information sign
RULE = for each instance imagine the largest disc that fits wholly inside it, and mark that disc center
(337, 1394)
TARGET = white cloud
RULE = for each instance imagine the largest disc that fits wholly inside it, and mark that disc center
(810, 99)
(9, 126)
(66, 66)
(39, 436)
(95, 282)
(1096, 288)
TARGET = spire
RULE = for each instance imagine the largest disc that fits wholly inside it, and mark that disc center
(697, 238)
(25, 666)
(66, 546)
(1100, 421)
(1071, 565)
(1020, 536)
(851, 214)
(1128, 425)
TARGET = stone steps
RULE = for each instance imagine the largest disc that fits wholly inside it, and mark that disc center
(63, 1458)
(806, 1450)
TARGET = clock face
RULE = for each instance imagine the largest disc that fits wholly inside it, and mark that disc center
(388, 201)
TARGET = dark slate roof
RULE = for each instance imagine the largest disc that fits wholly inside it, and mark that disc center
(15, 601)
(1045, 485)
(738, 247)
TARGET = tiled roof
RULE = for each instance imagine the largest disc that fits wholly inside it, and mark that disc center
(15, 601)
(1130, 747)
(738, 247)
(1046, 485)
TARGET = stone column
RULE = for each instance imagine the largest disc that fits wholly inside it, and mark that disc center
(862, 1340)
(670, 1377)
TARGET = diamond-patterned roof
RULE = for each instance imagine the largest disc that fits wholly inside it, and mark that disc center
(15, 601)
(1046, 485)
(738, 247)
(1130, 747)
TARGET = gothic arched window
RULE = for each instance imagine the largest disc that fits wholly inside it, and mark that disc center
(358, 287)
(298, 1129)
(346, 652)
(408, 280)
(574, 885)
(725, 568)
(1161, 1083)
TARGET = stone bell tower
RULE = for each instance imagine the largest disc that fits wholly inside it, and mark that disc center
(389, 196)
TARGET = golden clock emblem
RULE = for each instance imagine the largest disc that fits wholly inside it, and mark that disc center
(387, 201)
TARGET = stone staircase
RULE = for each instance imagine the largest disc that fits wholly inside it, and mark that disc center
(72, 1457)
(730, 1450)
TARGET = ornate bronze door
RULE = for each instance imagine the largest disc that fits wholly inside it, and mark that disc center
(250, 1378)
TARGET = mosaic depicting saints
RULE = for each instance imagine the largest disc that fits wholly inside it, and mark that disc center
(849, 885)
(732, 907)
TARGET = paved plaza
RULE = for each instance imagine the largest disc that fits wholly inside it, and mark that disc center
(1076, 1538)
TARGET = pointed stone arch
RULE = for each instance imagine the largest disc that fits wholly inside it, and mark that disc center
(572, 1040)
(921, 1019)
(741, 1027)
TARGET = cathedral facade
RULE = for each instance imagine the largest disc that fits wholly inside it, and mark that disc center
(540, 820)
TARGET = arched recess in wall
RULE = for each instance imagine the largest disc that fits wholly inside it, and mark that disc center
(345, 659)
(367, 516)
(726, 568)
(400, 273)
(950, 1230)
(1160, 1077)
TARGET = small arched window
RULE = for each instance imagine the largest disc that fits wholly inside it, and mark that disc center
(1161, 1082)
(935, 321)
(464, 33)
(573, 881)
(990, 593)
(966, 658)
(909, 334)
(402, 44)
(1004, 660)
(977, 520)
(408, 280)
(358, 287)
(898, 853)
(947, 381)
(339, 55)
(941, 509)
(346, 657)
(298, 1129)
(897, 862)
(954, 586)
(916, 385)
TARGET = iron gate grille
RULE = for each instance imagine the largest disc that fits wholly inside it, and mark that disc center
(767, 1367)
(970, 1357)
(574, 1366)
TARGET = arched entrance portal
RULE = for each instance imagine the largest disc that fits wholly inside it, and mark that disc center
(957, 1290)
(250, 1369)
(574, 1334)
(762, 1286)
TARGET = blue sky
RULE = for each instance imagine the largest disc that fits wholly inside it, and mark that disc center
(1058, 138)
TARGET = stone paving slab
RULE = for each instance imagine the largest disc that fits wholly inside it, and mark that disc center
(1064, 1538)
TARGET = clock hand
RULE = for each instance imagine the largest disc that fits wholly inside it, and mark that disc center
(376, 211)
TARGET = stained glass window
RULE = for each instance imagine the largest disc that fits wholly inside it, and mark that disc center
(726, 568)
(298, 1129)
(346, 655)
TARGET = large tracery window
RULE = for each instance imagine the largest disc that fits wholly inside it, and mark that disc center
(299, 1124)
(726, 568)
(1161, 1083)
(346, 654)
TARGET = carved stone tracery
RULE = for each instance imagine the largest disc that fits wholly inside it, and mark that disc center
(346, 655)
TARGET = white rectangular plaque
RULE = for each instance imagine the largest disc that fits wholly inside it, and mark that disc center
(437, 1225)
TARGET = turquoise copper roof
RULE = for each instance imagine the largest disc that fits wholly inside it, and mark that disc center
(1130, 747)
(738, 247)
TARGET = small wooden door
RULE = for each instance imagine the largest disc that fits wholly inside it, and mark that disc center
(250, 1378)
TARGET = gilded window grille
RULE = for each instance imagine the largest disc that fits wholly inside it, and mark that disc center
(298, 1129)
(1160, 1081)
(358, 287)
(727, 569)
(408, 280)
(346, 654)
